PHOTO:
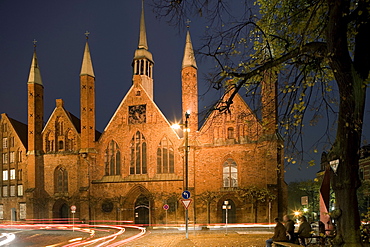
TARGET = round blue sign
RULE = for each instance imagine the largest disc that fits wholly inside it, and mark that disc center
(185, 194)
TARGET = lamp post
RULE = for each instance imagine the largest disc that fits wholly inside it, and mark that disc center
(186, 175)
(187, 115)
(226, 206)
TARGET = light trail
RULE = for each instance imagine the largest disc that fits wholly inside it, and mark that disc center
(9, 237)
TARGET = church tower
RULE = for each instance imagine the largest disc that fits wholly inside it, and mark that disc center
(87, 102)
(189, 85)
(35, 125)
(143, 60)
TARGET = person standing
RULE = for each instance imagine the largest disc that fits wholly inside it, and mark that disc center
(279, 234)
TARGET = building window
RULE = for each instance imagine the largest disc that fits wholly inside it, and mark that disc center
(5, 175)
(19, 156)
(61, 180)
(5, 191)
(5, 142)
(20, 189)
(112, 159)
(22, 211)
(1, 211)
(12, 190)
(12, 174)
(138, 154)
(165, 157)
(5, 158)
(49, 145)
(11, 157)
(230, 174)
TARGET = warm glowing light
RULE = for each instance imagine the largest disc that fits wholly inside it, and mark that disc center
(297, 213)
(176, 126)
(305, 210)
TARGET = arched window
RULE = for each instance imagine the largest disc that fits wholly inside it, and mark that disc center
(61, 180)
(165, 157)
(50, 142)
(112, 159)
(138, 163)
(230, 174)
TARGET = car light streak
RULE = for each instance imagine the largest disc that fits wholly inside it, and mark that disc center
(139, 235)
(9, 237)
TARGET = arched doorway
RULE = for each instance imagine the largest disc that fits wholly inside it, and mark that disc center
(60, 210)
(142, 210)
(231, 213)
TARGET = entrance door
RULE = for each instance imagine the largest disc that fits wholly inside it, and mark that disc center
(142, 210)
(64, 211)
(231, 213)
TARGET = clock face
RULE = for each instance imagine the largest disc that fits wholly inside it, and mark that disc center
(137, 114)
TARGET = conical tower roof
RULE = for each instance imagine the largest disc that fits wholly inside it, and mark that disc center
(189, 58)
(142, 50)
(87, 67)
(35, 75)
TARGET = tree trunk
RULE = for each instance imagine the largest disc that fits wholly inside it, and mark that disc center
(348, 139)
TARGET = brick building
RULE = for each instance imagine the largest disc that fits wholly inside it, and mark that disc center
(137, 164)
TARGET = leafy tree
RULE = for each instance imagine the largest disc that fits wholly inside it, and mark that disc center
(318, 49)
(257, 195)
(310, 188)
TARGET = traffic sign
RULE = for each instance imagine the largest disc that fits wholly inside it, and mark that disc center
(166, 207)
(185, 194)
(186, 202)
(73, 209)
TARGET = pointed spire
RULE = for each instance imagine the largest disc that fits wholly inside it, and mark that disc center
(35, 75)
(143, 44)
(87, 67)
(189, 58)
(142, 50)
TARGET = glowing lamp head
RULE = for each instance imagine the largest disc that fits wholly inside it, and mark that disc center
(175, 126)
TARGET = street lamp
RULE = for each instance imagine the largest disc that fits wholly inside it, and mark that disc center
(227, 207)
(186, 185)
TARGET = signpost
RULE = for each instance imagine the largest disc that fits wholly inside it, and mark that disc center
(166, 207)
(73, 211)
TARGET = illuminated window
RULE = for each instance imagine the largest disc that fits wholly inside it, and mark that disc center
(5, 158)
(5, 191)
(12, 174)
(12, 190)
(20, 189)
(138, 163)
(5, 142)
(5, 175)
(11, 157)
(230, 174)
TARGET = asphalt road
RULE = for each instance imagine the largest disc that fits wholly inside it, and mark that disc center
(54, 236)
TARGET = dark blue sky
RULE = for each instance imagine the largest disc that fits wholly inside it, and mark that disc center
(59, 27)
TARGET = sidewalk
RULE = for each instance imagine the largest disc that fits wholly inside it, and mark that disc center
(203, 238)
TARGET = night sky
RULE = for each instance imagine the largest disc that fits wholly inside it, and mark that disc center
(59, 27)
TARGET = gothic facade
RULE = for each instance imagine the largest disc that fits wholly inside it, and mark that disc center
(139, 163)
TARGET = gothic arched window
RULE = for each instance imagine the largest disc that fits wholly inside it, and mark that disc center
(61, 180)
(165, 157)
(138, 163)
(112, 159)
(230, 173)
